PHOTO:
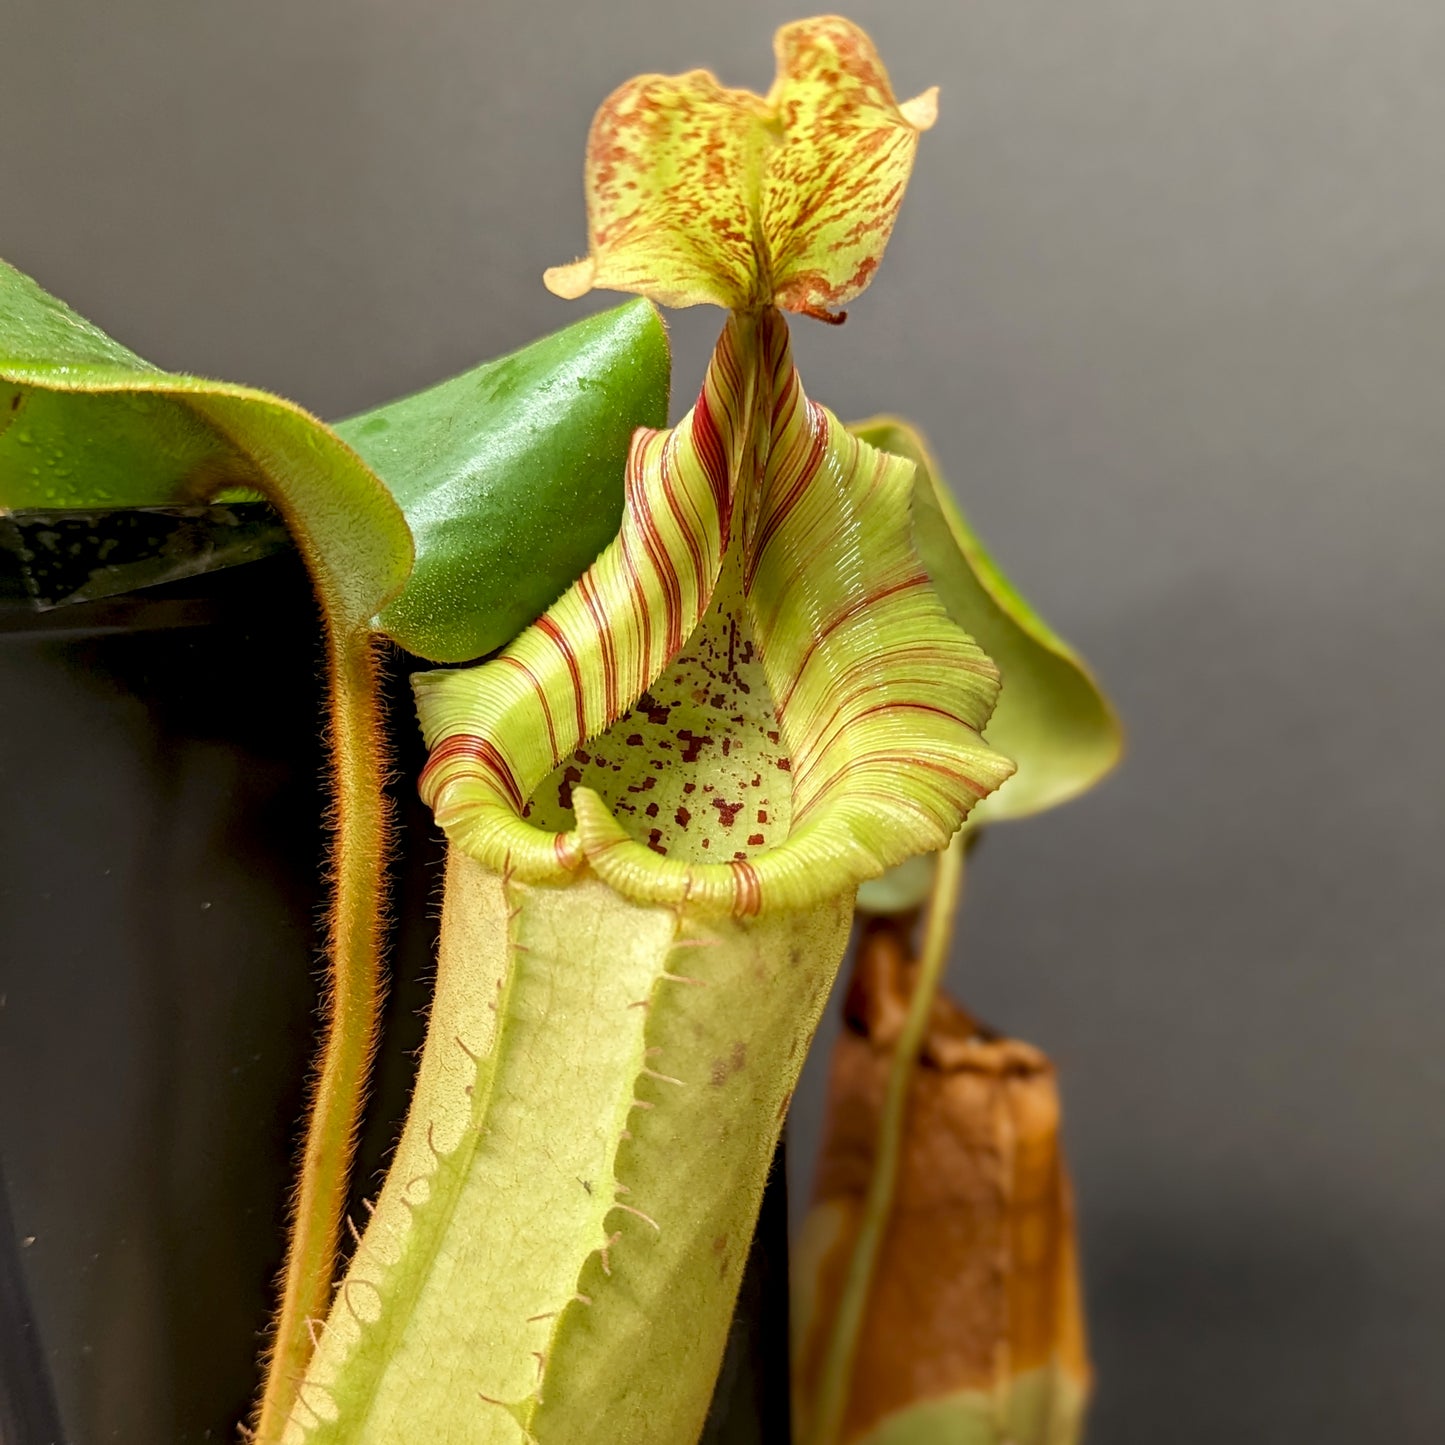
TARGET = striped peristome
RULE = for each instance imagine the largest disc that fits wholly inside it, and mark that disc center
(880, 699)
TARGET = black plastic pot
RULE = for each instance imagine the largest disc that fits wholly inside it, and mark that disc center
(159, 907)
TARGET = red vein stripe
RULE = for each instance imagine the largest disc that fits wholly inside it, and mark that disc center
(541, 696)
(797, 444)
(747, 889)
(588, 592)
(464, 747)
(880, 698)
(649, 537)
(713, 455)
(559, 639)
(856, 608)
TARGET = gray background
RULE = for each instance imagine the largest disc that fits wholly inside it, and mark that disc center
(1168, 295)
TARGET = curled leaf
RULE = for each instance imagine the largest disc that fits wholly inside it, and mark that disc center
(973, 1327)
(84, 422)
(823, 691)
(697, 193)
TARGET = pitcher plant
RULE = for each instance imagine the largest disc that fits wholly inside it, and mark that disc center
(660, 795)
(660, 799)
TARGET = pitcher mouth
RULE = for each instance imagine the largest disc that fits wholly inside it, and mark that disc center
(762, 499)
(701, 194)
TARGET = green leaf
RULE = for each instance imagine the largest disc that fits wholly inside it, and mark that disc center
(510, 476)
(86, 423)
(1051, 719)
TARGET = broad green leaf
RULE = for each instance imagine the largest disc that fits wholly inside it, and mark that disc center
(87, 420)
(837, 706)
(510, 476)
(1052, 719)
(697, 193)
(84, 416)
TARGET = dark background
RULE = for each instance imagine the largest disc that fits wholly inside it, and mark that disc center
(1168, 295)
